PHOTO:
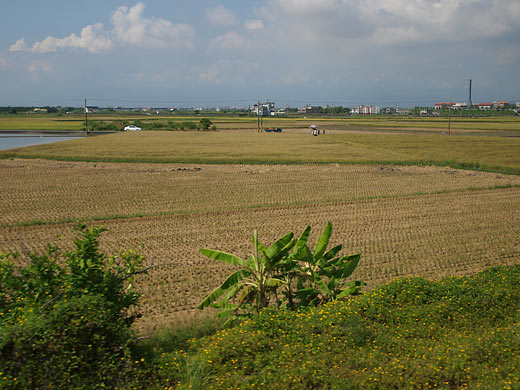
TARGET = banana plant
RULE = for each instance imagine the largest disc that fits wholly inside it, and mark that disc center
(321, 274)
(254, 285)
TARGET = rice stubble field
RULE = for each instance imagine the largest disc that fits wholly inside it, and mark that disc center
(405, 220)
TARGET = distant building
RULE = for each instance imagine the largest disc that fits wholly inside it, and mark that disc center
(309, 110)
(459, 106)
(402, 111)
(500, 104)
(388, 110)
(265, 109)
(367, 110)
(439, 106)
(91, 109)
(280, 112)
(485, 106)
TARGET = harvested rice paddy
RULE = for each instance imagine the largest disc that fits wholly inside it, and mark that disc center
(405, 220)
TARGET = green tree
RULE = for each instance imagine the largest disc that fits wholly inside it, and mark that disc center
(205, 124)
(65, 317)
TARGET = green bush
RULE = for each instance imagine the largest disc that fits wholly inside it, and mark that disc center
(205, 124)
(65, 319)
(412, 333)
(102, 126)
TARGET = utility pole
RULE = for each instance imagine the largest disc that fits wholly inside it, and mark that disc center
(262, 119)
(449, 120)
(86, 121)
(470, 103)
(258, 117)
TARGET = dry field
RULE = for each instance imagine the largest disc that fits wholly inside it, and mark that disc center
(428, 221)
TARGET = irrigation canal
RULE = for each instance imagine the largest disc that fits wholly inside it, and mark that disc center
(20, 138)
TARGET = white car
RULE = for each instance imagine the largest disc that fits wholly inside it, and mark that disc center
(132, 128)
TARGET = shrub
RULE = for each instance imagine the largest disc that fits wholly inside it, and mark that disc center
(65, 319)
(188, 125)
(412, 333)
(205, 124)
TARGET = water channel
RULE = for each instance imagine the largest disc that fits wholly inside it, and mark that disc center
(9, 141)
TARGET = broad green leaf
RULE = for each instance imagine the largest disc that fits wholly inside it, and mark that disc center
(302, 240)
(233, 279)
(321, 262)
(332, 252)
(225, 313)
(274, 282)
(261, 247)
(250, 264)
(345, 293)
(224, 305)
(279, 246)
(323, 241)
(305, 255)
(352, 288)
(248, 295)
(287, 266)
(351, 264)
(333, 283)
(256, 255)
(223, 256)
(234, 290)
(306, 292)
(322, 284)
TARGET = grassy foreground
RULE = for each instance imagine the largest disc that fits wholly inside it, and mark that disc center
(458, 333)
(474, 152)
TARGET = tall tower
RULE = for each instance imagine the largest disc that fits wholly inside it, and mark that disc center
(469, 96)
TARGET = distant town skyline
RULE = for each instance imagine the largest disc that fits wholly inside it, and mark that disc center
(160, 53)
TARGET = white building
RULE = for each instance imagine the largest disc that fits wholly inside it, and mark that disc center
(366, 110)
(265, 109)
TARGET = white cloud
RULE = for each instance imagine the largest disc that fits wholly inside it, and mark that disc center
(228, 71)
(231, 40)
(393, 21)
(129, 26)
(36, 68)
(221, 16)
(132, 28)
(254, 24)
(92, 39)
(18, 46)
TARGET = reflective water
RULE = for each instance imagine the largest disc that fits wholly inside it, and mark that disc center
(9, 141)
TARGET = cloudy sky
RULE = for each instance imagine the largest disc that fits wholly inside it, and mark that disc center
(196, 53)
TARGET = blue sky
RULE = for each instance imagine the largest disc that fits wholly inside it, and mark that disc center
(198, 53)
